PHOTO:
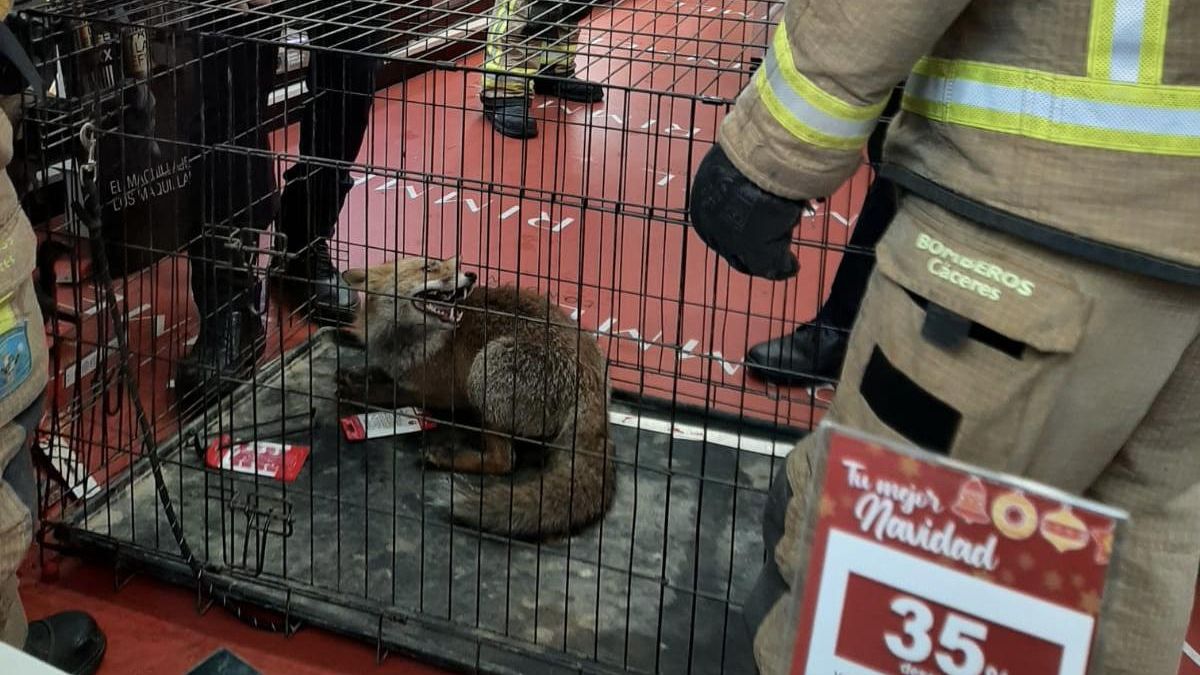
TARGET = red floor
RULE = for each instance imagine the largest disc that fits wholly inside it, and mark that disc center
(154, 629)
(181, 638)
(589, 213)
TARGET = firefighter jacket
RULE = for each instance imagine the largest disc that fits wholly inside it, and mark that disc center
(1082, 116)
(23, 356)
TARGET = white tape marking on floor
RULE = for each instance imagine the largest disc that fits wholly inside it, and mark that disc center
(289, 92)
(1191, 653)
(68, 466)
(449, 35)
(691, 432)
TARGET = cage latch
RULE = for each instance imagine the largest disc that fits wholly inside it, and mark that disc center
(254, 519)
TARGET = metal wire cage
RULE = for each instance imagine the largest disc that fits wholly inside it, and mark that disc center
(197, 109)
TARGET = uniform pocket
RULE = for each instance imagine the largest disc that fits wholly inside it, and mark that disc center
(961, 343)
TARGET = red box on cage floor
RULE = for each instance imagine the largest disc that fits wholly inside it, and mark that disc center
(278, 461)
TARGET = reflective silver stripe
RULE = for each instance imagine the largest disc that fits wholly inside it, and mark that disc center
(1058, 109)
(807, 113)
(1129, 21)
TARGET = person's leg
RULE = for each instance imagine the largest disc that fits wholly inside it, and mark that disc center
(334, 122)
(557, 67)
(1156, 477)
(508, 67)
(237, 191)
(70, 641)
(16, 532)
(13, 625)
(1025, 389)
(814, 352)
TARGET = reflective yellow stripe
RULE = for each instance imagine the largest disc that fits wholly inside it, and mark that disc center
(500, 53)
(510, 71)
(8, 316)
(1151, 96)
(781, 50)
(1154, 41)
(804, 109)
(1100, 39)
(1151, 119)
(1127, 40)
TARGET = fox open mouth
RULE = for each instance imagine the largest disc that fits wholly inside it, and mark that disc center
(441, 304)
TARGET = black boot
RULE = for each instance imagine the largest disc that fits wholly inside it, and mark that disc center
(809, 355)
(230, 342)
(510, 117)
(70, 641)
(569, 89)
(313, 282)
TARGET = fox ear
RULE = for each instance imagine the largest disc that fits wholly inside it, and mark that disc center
(356, 278)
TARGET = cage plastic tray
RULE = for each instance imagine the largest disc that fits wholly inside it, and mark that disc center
(361, 543)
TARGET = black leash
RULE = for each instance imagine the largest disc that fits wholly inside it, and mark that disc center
(89, 212)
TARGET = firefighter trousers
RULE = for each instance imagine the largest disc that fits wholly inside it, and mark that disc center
(18, 501)
(513, 58)
(1072, 375)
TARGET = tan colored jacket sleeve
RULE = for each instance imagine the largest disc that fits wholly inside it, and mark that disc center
(799, 128)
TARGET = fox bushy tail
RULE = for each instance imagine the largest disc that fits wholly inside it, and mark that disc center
(573, 490)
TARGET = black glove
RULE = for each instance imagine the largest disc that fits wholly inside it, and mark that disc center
(749, 228)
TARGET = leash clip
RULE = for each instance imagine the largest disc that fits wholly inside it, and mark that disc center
(87, 136)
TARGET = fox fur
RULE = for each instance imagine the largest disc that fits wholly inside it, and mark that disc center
(520, 365)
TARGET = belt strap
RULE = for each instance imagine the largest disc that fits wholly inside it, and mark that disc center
(11, 48)
(1056, 240)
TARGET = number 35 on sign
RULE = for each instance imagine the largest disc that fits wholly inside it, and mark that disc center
(924, 566)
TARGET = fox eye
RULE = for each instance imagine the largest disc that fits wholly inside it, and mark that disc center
(431, 266)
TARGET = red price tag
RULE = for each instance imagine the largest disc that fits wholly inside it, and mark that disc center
(921, 566)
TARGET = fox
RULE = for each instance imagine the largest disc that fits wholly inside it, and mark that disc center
(437, 339)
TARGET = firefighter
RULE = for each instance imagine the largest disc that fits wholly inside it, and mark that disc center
(70, 641)
(238, 183)
(1035, 305)
(531, 47)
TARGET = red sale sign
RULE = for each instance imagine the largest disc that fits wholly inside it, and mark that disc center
(924, 566)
